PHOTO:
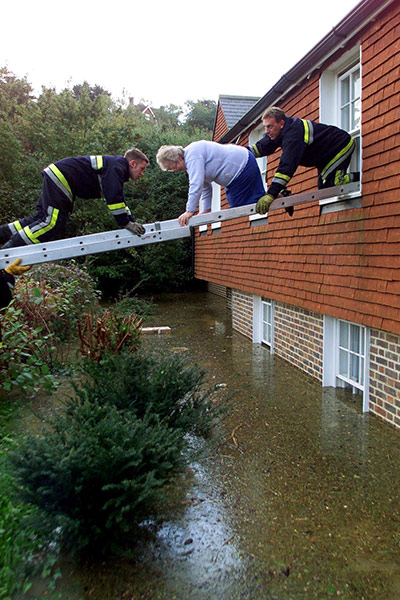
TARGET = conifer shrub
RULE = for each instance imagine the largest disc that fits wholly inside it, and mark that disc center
(159, 383)
(95, 472)
(101, 463)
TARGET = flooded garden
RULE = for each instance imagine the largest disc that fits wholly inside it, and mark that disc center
(297, 496)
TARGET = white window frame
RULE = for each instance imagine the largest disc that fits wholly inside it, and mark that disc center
(334, 351)
(259, 322)
(329, 104)
(256, 135)
(353, 103)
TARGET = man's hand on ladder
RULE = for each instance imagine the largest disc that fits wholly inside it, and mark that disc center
(135, 228)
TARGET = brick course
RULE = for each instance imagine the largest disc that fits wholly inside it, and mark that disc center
(384, 392)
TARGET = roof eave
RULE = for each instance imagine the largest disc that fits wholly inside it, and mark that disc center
(349, 27)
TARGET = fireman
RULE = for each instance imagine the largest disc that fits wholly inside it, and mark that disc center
(83, 176)
(305, 143)
(7, 281)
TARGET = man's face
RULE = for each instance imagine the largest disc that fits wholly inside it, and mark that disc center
(137, 168)
(273, 127)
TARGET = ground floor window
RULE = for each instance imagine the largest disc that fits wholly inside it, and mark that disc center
(263, 321)
(346, 351)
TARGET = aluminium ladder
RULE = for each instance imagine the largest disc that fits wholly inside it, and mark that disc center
(159, 231)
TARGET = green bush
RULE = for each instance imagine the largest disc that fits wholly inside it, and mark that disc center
(162, 384)
(101, 463)
(95, 472)
(25, 355)
(73, 291)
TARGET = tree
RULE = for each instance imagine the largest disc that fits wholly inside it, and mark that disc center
(201, 115)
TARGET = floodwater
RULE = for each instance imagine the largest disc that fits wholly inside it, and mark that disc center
(300, 499)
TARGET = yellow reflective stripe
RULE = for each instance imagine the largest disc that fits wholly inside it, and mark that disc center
(60, 177)
(255, 151)
(97, 162)
(282, 176)
(337, 157)
(17, 225)
(33, 236)
(306, 131)
(116, 206)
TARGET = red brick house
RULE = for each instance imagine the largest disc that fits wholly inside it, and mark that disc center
(322, 288)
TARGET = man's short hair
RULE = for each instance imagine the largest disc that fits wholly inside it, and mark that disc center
(274, 112)
(136, 154)
(169, 154)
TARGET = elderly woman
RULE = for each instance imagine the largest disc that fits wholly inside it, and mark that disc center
(232, 166)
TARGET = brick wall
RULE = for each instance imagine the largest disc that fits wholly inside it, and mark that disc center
(384, 392)
(299, 338)
(242, 313)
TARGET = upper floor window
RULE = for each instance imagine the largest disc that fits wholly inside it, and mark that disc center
(349, 107)
(340, 99)
(254, 137)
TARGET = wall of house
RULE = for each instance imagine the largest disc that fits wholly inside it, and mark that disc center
(344, 264)
(298, 338)
(384, 393)
(220, 127)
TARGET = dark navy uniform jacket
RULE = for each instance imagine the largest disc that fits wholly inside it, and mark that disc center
(106, 179)
(304, 143)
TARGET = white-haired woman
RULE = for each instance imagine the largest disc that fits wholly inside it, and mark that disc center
(229, 165)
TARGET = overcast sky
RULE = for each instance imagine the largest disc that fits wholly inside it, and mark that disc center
(166, 52)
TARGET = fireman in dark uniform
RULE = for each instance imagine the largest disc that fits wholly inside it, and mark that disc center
(305, 143)
(7, 281)
(83, 176)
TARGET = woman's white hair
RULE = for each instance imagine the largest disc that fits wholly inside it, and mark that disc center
(169, 154)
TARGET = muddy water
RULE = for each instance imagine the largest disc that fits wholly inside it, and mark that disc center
(299, 501)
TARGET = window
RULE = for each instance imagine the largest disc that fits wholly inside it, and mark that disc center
(346, 351)
(263, 322)
(256, 135)
(351, 354)
(266, 335)
(340, 99)
(349, 106)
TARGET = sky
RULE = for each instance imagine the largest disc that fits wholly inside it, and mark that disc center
(162, 52)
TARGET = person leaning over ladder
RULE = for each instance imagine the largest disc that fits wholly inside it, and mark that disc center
(83, 176)
(305, 143)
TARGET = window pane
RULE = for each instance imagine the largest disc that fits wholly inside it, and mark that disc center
(345, 118)
(265, 312)
(343, 334)
(343, 367)
(355, 338)
(356, 115)
(355, 85)
(265, 332)
(345, 91)
(354, 367)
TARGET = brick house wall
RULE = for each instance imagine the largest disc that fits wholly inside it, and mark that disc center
(384, 394)
(342, 264)
(299, 338)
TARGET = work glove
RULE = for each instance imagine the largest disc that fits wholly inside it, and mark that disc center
(264, 203)
(15, 269)
(135, 228)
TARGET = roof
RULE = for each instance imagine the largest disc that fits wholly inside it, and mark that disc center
(234, 107)
(347, 28)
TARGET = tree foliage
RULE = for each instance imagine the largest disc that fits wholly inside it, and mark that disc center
(85, 120)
